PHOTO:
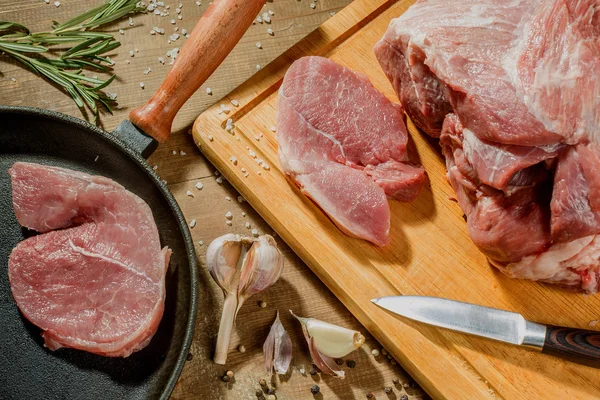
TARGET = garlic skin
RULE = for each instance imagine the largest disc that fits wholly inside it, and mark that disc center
(332, 340)
(242, 267)
(278, 349)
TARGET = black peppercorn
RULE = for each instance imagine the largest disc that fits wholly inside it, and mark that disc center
(225, 378)
(190, 356)
(315, 389)
(270, 391)
(404, 397)
(351, 363)
(313, 370)
(370, 395)
(339, 361)
(396, 381)
(388, 390)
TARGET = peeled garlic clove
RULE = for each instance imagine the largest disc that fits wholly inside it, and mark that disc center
(331, 340)
(278, 349)
(263, 265)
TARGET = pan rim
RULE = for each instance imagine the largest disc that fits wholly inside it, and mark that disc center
(175, 209)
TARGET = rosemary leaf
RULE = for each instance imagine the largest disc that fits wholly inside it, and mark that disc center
(64, 67)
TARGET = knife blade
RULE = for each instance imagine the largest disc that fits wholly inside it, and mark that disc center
(578, 345)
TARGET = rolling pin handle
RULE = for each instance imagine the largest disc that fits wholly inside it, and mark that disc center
(214, 36)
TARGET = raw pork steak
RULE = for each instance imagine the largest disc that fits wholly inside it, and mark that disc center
(97, 283)
(344, 144)
(512, 88)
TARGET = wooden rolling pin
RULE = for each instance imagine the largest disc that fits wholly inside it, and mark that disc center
(214, 36)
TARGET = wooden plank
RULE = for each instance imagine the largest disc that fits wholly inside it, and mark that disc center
(431, 253)
(299, 289)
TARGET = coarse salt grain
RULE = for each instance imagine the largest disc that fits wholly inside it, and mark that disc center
(201, 242)
(189, 193)
(259, 19)
(184, 31)
(155, 167)
(258, 45)
(127, 62)
(228, 215)
(121, 31)
(233, 159)
(142, 85)
(208, 90)
(271, 12)
(147, 71)
(161, 60)
(266, 18)
(254, 233)
(199, 185)
(210, 138)
(313, 5)
(243, 169)
(240, 199)
(198, 3)
(182, 153)
(219, 180)
(227, 198)
(229, 223)
(258, 67)
(57, 3)
(270, 32)
(235, 103)
(131, 53)
(130, 21)
(173, 21)
(174, 152)
(247, 225)
(192, 223)
(179, 17)
(273, 129)
(47, 1)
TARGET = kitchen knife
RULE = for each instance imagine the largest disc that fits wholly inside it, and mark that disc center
(578, 345)
(214, 36)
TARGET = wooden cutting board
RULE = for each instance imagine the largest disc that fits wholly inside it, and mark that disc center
(430, 253)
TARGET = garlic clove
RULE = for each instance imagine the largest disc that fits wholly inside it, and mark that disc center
(262, 267)
(278, 349)
(324, 363)
(331, 340)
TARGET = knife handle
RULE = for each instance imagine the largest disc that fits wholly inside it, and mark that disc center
(578, 345)
(214, 36)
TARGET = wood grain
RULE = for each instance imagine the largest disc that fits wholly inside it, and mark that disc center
(578, 345)
(430, 254)
(298, 289)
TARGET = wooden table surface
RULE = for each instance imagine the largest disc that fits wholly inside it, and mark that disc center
(182, 166)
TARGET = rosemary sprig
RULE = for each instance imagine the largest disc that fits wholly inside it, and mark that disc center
(65, 66)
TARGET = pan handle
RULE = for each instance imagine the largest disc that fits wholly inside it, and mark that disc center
(214, 36)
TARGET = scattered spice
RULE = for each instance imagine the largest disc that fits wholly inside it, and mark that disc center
(315, 389)
(351, 363)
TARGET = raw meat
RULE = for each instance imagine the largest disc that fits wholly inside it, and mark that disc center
(512, 89)
(344, 144)
(98, 283)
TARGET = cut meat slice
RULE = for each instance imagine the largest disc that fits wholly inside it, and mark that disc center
(344, 143)
(99, 284)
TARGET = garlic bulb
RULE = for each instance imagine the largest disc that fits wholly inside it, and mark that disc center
(278, 349)
(241, 267)
(327, 341)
